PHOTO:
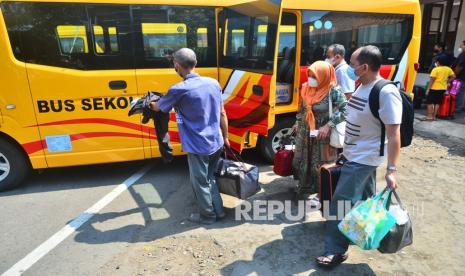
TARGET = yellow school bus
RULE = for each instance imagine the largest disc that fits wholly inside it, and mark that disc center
(69, 70)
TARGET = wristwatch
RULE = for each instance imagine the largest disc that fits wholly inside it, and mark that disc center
(391, 169)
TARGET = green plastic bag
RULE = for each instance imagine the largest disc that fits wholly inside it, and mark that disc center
(368, 223)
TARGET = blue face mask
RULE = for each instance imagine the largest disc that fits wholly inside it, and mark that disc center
(351, 74)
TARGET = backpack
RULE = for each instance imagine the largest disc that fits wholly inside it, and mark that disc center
(406, 127)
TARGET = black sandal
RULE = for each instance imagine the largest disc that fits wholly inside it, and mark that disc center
(337, 259)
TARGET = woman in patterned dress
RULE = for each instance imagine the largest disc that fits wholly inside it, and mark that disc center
(312, 152)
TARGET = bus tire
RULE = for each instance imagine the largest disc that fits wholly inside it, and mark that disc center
(14, 166)
(270, 144)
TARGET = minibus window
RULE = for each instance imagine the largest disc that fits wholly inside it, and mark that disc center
(391, 33)
(162, 30)
(48, 33)
(202, 37)
(57, 34)
(162, 39)
(249, 42)
(101, 36)
(72, 39)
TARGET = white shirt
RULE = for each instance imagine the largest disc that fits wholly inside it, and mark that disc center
(347, 84)
(363, 130)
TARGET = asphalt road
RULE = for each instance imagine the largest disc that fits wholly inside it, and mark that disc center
(43, 206)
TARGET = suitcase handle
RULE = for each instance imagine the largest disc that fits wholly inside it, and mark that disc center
(236, 157)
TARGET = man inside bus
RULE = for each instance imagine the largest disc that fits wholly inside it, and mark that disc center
(362, 147)
(335, 55)
(203, 129)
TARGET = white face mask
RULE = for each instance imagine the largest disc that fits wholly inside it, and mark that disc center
(312, 82)
(330, 61)
(460, 50)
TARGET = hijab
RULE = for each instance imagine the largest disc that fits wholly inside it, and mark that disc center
(325, 74)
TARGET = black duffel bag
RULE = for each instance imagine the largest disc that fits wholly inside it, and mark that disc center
(399, 236)
(237, 178)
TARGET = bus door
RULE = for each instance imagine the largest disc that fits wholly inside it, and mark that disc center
(288, 69)
(247, 66)
(161, 30)
(82, 80)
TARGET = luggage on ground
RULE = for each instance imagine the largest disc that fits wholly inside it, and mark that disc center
(282, 162)
(237, 178)
(328, 178)
(401, 234)
(447, 107)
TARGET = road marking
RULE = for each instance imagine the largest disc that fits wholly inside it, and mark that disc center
(47, 246)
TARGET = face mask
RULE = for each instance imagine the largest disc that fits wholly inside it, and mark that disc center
(312, 82)
(351, 74)
(460, 50)
(330, 61)
(435, 51)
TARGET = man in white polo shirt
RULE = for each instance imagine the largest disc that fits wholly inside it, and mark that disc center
(335, 55)
(362, 146)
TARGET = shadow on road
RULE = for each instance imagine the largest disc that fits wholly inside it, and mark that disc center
(301, 241)
(293, 254)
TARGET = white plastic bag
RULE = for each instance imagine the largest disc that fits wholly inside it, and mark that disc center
(336, 139)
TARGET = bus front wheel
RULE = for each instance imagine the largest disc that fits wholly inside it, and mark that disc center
(269, 145)
(14, 167)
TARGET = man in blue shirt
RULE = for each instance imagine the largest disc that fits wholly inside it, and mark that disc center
(203, 129)
(335, 55)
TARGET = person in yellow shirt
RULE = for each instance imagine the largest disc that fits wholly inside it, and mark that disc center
(440, 77)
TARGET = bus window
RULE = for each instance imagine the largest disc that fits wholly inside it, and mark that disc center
(237, 43)
(58, 41)
(162, 30)
(249, 42)
(99, 37)
(202, 37)
(162, 39)
(391, 33)
(72, 39)
(287, 37)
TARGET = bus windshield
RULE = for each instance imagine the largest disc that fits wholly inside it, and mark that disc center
(391, 33)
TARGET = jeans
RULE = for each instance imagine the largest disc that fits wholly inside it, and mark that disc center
(460, 100)
(202, 177)
(357, 182)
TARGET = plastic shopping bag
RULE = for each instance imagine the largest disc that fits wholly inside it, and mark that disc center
(367, 224)
(401, 235)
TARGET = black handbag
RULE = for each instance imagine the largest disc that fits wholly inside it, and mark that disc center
(237, 178)
(399, 236)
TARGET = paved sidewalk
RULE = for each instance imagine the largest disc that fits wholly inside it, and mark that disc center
(441, 130)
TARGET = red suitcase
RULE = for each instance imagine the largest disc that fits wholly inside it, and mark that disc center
(447, 107)
(283, 162)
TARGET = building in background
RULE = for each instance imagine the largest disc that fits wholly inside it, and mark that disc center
(443, 21)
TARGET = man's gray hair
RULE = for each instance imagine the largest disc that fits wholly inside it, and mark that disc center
(186, 58)
(338, 49)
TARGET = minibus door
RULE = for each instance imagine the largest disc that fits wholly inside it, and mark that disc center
(160, 30)
(247, 53)
(83, 114)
